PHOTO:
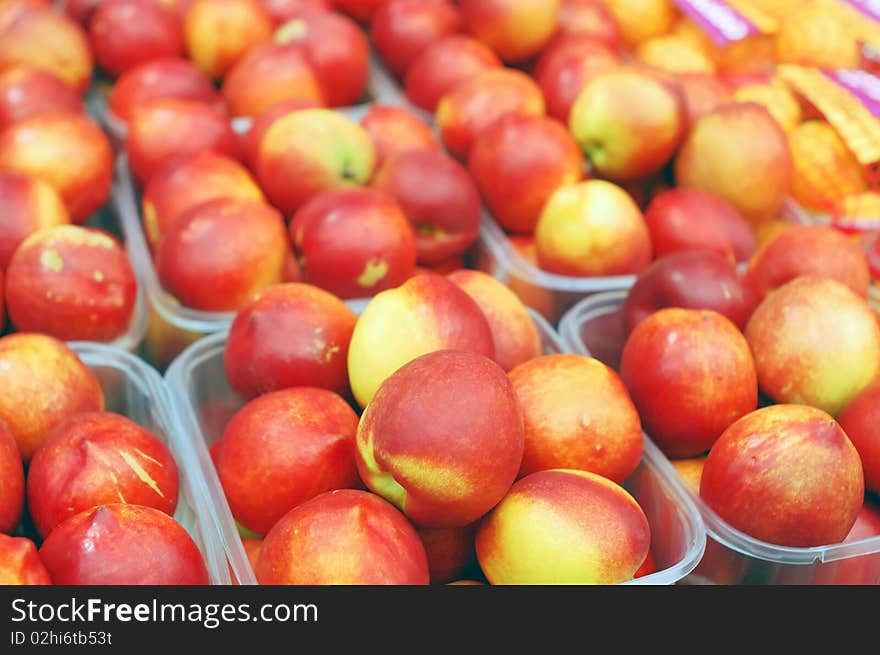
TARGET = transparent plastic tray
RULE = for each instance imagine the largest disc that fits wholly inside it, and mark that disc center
(595, 327)
(549, 294)
(204, 403)
(136, 390)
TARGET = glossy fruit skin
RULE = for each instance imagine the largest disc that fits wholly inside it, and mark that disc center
(425, 314)
(338, 52)
(518, 162)
(688, 219)
(282, 449)
(691, 374)
(269, 74)
(219, 32)
(520, 541)
(748, 476)
(26, 91)
(95, 458)
(439, 200)
(39, 371)
(122, 544)
(67, 150)
(39, 36)
(577, 235)
(160, 79)
(733, 151)
(395, 130)
(164, 130)
(629, 122)
(314, 544)
(566, 66)
(185, 183)
(860, 420)
(514, 332)
(516, 30)
(578, 415)
(354, 242)
(809, 250)
(202, 275)
(473, 106)
(691, 279)
(12, 484)
(815, 342)
(27, 204)
(126, 33)
(20, 562)
(402, 29)
(311, 151)
(443, 65)
(71, 282)
(411, 420)
(289, 335)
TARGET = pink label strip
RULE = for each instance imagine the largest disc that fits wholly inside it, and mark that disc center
(861, 84)
(870, 8)
(719, 20)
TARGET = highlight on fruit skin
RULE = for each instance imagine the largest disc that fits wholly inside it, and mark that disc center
(564, 527)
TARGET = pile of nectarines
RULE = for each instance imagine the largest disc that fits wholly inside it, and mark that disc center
(762, 386)
(428, 439)
(87, 496)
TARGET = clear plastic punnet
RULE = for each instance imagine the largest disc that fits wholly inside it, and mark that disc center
(204, 403)
(595, 327)
(548, 293)
(136, 390)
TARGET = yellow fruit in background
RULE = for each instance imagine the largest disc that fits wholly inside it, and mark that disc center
(777, 97)
(674, 54)
(825, 171)
(687, 30)
(817, 36)
(767, 230)
(755, 54)
(639, 20)
(864, 206)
